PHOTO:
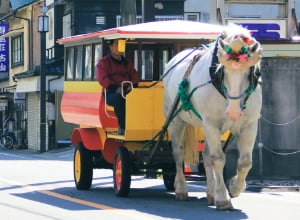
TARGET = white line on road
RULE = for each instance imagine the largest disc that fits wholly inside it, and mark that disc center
(12, 155)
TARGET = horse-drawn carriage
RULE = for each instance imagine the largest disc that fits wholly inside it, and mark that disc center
(150, 132)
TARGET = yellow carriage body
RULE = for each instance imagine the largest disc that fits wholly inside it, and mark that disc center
(144, 111)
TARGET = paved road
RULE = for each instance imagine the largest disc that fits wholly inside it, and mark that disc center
(40, 186)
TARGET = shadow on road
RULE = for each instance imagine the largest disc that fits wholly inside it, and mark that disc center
(154, 200)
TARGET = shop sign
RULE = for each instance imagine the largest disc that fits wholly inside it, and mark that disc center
(4, 52)
(264, 28)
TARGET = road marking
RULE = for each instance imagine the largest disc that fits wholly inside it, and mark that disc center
(79, 201)
(58, 195)
(11, 155)
(49, 156)
(129, 213)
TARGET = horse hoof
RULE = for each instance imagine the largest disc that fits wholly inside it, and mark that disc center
(232, 195)
(181, 196)
(224, 206)
(235, 190)
(210, 200)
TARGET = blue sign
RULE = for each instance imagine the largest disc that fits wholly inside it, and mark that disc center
(263, 31)
(4, 55)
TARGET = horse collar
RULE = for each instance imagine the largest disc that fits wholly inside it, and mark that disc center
(217, 79)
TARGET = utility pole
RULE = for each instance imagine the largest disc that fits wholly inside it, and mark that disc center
(128, 12)
(43, 28)
(148, 10)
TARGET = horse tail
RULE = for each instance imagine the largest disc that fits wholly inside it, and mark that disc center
(190, 143)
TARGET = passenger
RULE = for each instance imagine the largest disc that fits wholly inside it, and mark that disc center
(112, 70)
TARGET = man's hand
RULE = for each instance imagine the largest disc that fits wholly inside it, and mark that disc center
(119, 90)
(127, 89)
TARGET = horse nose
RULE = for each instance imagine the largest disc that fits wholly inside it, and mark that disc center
(234, 111)
(234, 117)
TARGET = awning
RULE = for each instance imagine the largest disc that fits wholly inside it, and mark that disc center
(174, 29)
(13, 33)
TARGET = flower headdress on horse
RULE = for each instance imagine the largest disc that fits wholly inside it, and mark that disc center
(238, 51)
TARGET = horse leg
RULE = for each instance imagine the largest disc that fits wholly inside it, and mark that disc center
(176, 129)
(245, 144)
(210, 182)
(217, 158)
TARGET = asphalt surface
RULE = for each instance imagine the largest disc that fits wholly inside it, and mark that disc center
(66, 153)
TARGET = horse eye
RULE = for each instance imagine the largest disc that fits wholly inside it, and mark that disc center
(228, 49)
(244, 50)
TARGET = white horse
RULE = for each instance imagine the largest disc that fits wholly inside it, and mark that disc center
(227, 97)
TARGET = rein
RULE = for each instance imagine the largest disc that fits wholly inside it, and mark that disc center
(183, 88)
(172, 67)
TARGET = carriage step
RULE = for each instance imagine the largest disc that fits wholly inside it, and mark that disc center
(115, 135)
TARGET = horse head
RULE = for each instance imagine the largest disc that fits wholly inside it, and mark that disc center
(237, 52)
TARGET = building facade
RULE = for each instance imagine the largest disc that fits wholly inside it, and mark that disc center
(20, 87)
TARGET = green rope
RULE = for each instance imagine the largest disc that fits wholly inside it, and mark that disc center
(186, 105)
(249, 91)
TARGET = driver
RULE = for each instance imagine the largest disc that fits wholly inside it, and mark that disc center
(111, 71)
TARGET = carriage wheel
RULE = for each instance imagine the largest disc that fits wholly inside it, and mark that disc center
(169, 178)
(82, 168)
(122, 172)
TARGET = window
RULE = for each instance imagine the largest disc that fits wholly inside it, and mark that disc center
(147, 64)
(17, 48)
(67, 25)
(192, 16)
(100, 20)
(70, 63)
(97, 57)
(164, 58)
(151, 61)
(81, 61)
(78, 71)
(87, 75)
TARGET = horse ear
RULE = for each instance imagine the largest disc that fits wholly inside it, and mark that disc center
(256, 51)
(253, 48)
(222, 44)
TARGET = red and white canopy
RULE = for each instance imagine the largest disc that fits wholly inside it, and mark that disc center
(175, 29)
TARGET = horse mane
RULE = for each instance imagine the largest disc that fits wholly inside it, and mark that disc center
(235, 29)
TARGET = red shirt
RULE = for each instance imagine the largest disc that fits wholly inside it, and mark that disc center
(111, 73)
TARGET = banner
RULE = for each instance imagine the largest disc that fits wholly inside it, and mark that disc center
(4, 52)
(272, 29)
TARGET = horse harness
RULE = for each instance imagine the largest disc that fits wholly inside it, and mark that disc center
(217, 79)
